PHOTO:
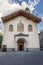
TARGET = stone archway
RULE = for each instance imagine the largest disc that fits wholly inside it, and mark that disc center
(21, 44)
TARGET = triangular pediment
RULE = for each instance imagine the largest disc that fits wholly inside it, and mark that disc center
(21, 13)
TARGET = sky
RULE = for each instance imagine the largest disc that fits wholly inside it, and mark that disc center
(9, 6)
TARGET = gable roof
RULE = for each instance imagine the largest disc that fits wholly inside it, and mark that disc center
(21, 13)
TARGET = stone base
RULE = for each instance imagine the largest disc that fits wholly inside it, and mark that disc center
(33, 49)
(28, 49)
(11, 49)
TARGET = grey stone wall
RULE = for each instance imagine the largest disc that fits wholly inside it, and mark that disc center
(41, 39)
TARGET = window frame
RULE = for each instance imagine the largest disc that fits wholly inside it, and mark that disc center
(20, 27)
(30, 28)
(10, 28)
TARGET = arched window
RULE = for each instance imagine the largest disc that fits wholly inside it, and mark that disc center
(30, 28)
(20, 26)
(11, 27)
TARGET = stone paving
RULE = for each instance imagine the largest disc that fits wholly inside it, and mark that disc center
(21, 58)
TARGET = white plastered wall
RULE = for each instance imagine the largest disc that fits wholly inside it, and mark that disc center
(32, 41)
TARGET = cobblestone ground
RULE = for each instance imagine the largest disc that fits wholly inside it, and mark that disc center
(21, 58)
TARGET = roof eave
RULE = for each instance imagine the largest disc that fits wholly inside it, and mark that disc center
(21, 13)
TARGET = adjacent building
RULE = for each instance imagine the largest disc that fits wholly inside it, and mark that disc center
(41, 39)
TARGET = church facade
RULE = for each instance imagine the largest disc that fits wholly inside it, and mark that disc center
(20, 31)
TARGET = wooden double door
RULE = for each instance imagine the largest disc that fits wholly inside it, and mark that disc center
(20, 45)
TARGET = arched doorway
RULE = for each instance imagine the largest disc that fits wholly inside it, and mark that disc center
(21, 44)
